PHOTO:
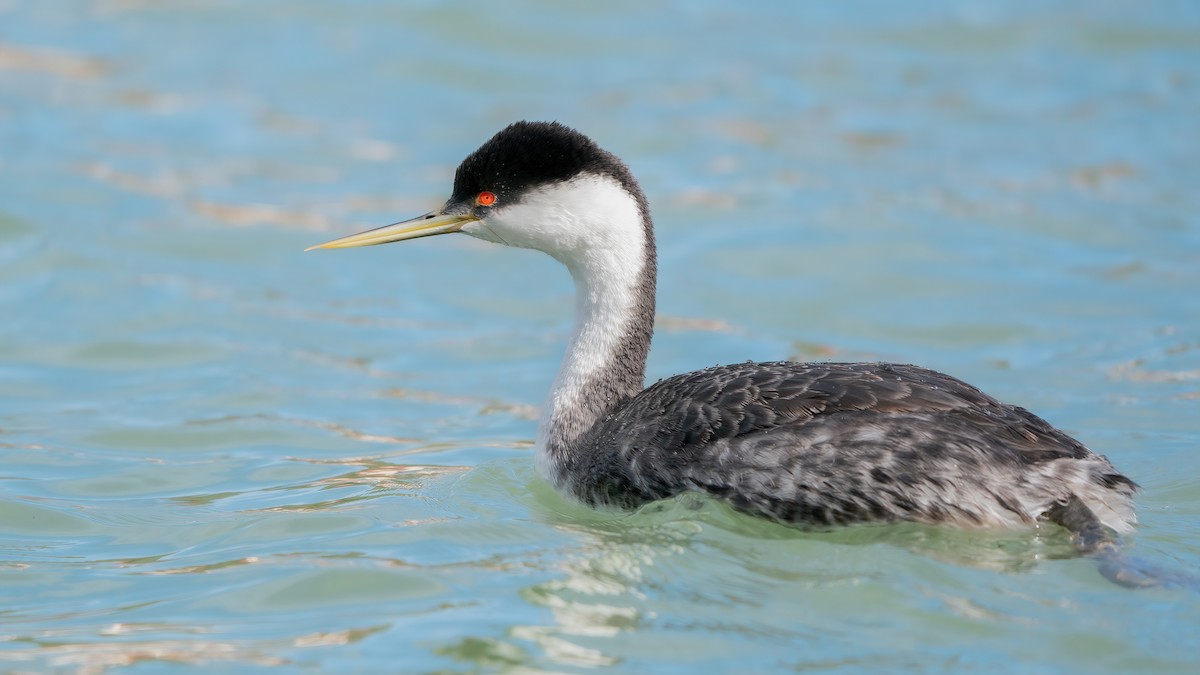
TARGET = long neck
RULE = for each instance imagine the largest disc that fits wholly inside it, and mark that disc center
(605, 362)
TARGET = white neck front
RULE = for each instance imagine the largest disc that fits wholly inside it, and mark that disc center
(596, 228)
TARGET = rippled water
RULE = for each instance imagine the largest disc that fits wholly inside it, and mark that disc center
(218, 451)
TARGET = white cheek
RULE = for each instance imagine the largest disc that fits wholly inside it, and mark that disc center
(534, 223)
(571, 221)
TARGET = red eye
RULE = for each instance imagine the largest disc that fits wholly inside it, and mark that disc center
(485, 198)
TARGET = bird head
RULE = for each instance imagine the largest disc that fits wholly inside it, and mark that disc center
(539, 185)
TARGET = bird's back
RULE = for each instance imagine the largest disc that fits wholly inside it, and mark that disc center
(819, 444)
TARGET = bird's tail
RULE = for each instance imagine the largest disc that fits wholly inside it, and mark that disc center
(1097, 541)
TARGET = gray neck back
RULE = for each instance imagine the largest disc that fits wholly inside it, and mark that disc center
(605, 363)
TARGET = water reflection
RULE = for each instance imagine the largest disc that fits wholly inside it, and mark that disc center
(693, 566)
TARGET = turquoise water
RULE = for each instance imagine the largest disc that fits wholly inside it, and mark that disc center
(220, 453)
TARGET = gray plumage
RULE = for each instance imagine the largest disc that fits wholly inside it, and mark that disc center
(824, 444)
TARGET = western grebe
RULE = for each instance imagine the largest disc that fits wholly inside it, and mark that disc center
(808, 444)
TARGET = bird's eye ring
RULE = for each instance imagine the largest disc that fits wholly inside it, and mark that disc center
(485, 198)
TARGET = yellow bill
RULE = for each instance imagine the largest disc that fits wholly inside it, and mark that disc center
(422, 226)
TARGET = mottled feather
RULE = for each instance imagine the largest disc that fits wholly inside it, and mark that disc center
(819, 444)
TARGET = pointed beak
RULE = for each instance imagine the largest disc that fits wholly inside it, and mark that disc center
(422, 226)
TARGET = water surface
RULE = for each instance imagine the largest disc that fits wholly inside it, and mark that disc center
(217, 451)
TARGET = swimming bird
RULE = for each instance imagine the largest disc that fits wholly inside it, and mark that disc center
(806, 444)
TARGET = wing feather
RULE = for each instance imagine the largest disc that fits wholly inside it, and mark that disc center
(825, 443)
